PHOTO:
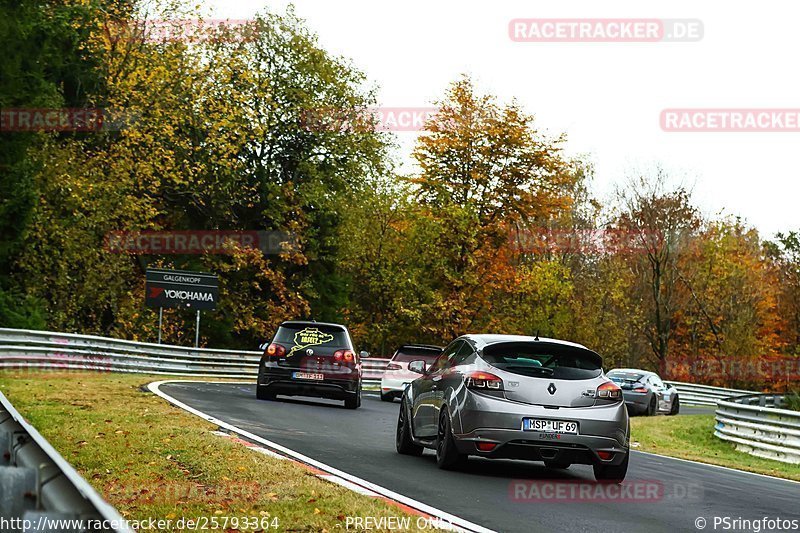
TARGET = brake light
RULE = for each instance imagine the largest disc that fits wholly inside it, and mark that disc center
(486, 446)
(609, 391)
(393, 366)
(344, 356)
(483, 381)
(640, 389)
(275, 350)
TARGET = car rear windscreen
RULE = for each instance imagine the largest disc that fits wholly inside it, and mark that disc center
(414, 353)
(623, 377)
(543, 359)
(300, 336)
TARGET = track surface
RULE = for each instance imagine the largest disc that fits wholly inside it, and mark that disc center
(361, 442)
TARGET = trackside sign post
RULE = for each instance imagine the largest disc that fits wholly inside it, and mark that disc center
(181, 289)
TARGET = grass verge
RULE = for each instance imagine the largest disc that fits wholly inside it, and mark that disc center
(152, 460)
(692, 437)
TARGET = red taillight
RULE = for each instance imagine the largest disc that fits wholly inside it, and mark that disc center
(486, 446)
(609, 391)
(483, 381)
(605, 456)
(393, 366)
(640, 389)
(344, 356)
(275, 350)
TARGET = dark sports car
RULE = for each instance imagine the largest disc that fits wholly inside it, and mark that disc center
(311, 359)
(645, 393)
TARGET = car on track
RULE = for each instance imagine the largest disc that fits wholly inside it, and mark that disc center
(516, 397)
(397, 374)
(645, 393)
(307, 358)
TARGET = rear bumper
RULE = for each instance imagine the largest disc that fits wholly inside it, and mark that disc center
(394, 385)
(485, 419)
(637, 402)
(281, 382)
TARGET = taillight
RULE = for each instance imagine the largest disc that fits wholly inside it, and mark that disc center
(483, 381)
(275, 350)
(609, 391)
(393, 366)
(344, 356)
(640, 389)
(486, 446)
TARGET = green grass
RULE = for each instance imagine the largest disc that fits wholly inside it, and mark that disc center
(152, 460)
(692, 437)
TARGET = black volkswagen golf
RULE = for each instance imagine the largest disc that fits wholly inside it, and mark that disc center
(311, 359)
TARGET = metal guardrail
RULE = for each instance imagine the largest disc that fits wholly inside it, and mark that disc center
(26, 349)
(39, 490)
(756, 424)
(694, 394)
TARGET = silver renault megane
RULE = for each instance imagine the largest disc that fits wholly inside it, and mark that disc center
(516, 397)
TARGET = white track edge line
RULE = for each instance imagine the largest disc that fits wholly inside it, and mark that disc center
(386, 493)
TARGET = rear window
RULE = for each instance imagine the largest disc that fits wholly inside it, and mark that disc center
(623, 377)
(541, 359)
(408, 354)
(299, 336)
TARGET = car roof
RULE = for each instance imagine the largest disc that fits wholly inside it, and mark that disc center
(484, 339)
(633, 371)
(424, 346)
(311, 323)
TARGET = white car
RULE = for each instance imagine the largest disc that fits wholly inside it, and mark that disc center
(397, 375)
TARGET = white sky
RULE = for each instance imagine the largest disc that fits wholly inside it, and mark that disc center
(606, 97)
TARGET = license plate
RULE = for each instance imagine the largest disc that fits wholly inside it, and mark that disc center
(549, 426)
(307, 375)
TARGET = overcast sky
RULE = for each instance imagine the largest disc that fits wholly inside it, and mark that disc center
(607, 97)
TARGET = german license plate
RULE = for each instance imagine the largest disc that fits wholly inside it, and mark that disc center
(307, 375)
(550, 426)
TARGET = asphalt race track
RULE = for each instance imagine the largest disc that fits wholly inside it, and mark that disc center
(361, 442)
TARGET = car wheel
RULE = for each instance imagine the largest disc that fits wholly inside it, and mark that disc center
(651, 407)
(610, 473)
(402, 440)
(262, 394)
(676, 407)
(387, 397)
(353, 401)
(560, 465)
(447, 456)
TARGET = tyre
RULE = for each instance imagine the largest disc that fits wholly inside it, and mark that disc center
(610, 473)
(676, 407)
(387, 397)
(263, 394)
(402, 440)
(559, 465)
(447, 456)
(651, 407)
(353, 401)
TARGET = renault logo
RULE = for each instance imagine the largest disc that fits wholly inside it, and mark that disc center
(551, 389)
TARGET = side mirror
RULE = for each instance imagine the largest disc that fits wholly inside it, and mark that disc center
(362, 354)
(417, 367)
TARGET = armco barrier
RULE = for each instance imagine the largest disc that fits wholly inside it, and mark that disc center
(27, 349)
(47, 349)
(39, 490)
(756, 424)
